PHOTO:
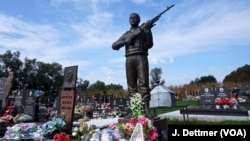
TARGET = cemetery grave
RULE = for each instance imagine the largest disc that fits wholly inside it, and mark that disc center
(208, 102)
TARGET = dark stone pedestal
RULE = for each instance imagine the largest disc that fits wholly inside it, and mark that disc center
(211, 110)
(3, 128)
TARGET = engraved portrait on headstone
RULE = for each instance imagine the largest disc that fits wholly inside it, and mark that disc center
(70, 74)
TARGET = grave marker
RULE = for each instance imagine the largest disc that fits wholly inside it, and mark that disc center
(68, 96)
(29, 102)
(5, 89)
(207, 95)
(122, 105)
(222, 91)
(19, 98)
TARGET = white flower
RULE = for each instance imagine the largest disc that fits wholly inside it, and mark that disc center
(136, 105)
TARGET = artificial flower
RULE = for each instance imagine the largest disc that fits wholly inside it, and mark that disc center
(55, 124)
(62, 136)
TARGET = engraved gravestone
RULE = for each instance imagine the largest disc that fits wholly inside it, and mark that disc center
(88, 99)
(207, 95)
(3, 86)
(109, 98)
(99, 98)
(222, 91)
(29, 103)
(19, 98)
(80, 100)
(91, 103)
(114, 104)
(123, 104)
(67, 105)
(11, 97)
(68, 96)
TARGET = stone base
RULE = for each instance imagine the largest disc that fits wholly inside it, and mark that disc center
(211, 110)
(3, 128)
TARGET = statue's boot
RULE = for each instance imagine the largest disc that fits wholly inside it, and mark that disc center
(147, 110)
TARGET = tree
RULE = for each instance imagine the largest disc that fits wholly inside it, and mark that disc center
(10, 62)
(98, 86)
(82, 84)
(114, 87)
(155, 74)
(204, 80)
(242, 74)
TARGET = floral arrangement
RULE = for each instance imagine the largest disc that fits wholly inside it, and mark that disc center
(242, 99)
(24, 131)
(138, 116)
(114, 113)
(62, 136)
(54, 125)
(150, 132)
(9, 109)
(222, 101)
(83, 128)
(23, 118)
(80, 109)
(233, 100)
(38, 93)
(136, 105)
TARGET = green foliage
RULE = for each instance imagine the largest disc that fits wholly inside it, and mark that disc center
(204, 80)
(155, 75)
(241, 74)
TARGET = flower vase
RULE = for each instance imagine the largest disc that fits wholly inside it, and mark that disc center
(234, 107)
(84, 116)
(226, 106)
(217, 106)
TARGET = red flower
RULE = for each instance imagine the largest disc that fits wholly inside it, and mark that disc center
(61, 137)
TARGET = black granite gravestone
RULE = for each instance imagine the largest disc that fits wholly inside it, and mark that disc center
(29, 102)
(19, 98)
(222, 91)
(109, 99)
(207, 95)
(81, 100)
(122, 105)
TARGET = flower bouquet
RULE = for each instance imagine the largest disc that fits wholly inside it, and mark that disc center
(24, 131)
(23, 118)
(62, 136)
(233, 101)
(55, 125)
(149, 131)
(138, 117)
(136, 105)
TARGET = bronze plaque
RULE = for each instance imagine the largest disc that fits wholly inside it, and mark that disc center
(67, 106)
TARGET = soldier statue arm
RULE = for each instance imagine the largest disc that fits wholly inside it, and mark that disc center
(126, 39)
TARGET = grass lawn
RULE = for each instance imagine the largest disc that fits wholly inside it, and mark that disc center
(182, 103)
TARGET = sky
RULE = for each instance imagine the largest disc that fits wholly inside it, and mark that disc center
(195, 38)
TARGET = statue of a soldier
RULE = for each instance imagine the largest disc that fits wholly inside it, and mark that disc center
(137, 42)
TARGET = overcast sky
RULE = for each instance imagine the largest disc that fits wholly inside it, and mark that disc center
(195, 38)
